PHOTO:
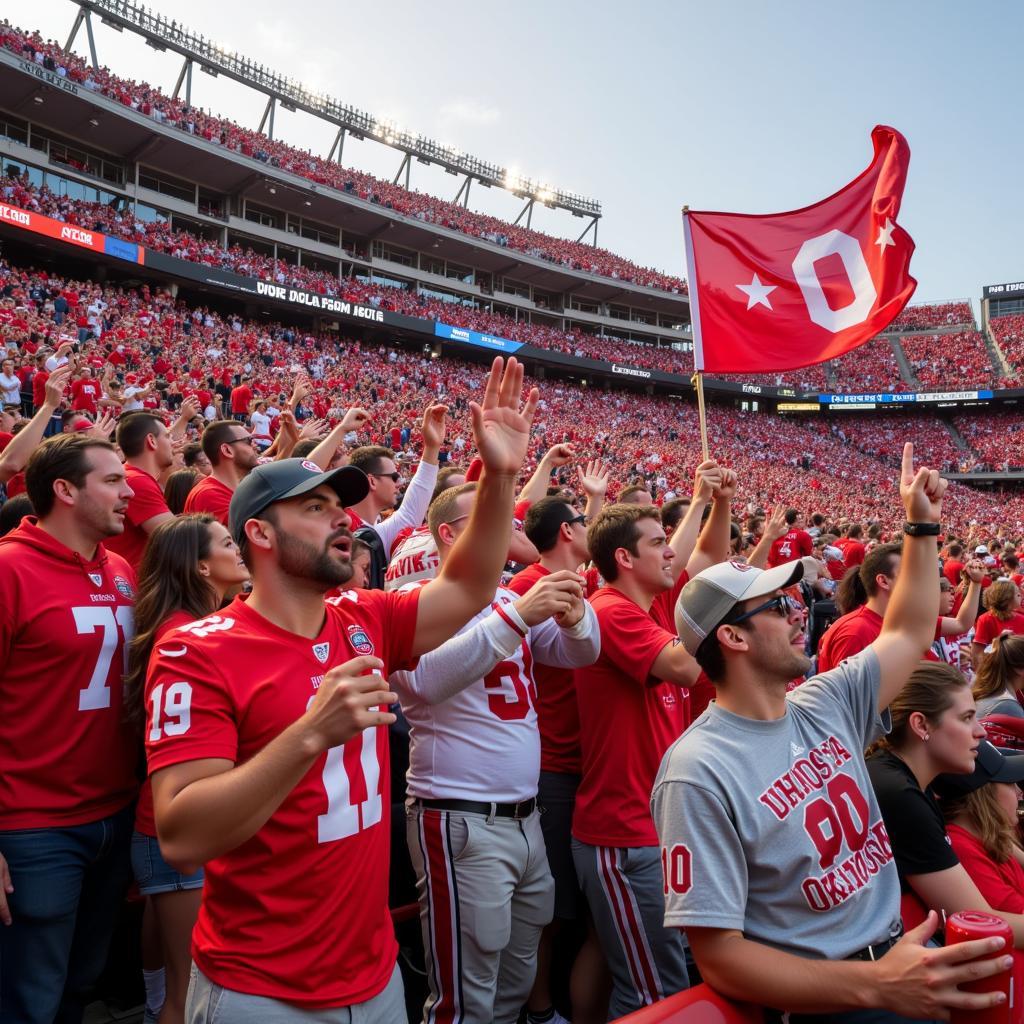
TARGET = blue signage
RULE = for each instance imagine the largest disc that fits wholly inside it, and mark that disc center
(469, 337)
(905, 397)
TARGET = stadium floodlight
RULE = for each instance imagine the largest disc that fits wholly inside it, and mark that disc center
(164, 34)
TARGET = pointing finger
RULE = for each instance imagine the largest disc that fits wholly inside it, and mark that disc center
(908, 462)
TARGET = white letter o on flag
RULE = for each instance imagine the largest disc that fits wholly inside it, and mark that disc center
(848, 250)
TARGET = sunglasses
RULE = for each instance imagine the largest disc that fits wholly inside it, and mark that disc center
(783, 605)
(241, 440)
(576, 519)
(396, 476)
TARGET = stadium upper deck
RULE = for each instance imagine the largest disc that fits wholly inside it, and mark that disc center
(74, 79)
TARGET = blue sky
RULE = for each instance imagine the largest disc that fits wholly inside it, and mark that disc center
(741, 106)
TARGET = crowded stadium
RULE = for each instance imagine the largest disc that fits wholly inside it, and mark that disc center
(409, 613)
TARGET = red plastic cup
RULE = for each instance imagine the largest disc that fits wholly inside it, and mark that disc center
(966, 925)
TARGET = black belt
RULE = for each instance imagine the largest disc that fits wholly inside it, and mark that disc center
(523, 809)
(878, 950)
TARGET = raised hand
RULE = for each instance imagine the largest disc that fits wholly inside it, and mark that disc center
(776, 525)
(55, 385)
(346, 703)
(190, 408)
(558, 595)
(921, 491)
(706, 480)
(594, 478)
(354, 419)
(501, 424)
(975, 570)
(726, 490)
(434, 425)
(558, 455)
(313, 428)
(103, 427)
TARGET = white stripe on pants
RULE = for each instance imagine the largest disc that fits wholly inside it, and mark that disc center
(485, 894)
(624, 889)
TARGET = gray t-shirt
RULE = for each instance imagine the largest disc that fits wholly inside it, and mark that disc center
(772, 828)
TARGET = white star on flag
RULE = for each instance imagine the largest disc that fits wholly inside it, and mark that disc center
(757, 293)
(885, 235)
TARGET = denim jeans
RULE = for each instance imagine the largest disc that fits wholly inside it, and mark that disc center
(68, 887)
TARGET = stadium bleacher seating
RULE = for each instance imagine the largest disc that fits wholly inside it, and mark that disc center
(646, 439)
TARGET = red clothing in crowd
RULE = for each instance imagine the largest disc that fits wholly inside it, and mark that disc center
(229, 685)
(147, 502)
(795, 544)
(1002, 885)
(988, 627)
(210, 495)
(67, 757)
(628, 719)
(558, 717)
(851, 633)
(240, 399)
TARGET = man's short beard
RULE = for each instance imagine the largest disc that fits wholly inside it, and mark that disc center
(303, 561)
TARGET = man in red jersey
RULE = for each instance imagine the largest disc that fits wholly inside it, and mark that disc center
(241, 399)
(953, 565)
(232, 454)
(633, 703)
(267, 738)
(85, 392)
(795, 543)
(67, 758)
(851, 633)
(145, 442)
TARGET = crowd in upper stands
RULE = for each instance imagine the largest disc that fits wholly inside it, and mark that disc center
(936, 314)
(181, 352)
(224, 132)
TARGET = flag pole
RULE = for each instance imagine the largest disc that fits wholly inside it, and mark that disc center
(698, 347)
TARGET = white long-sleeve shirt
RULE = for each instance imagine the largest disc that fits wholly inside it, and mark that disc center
(470, 703)
(413, 509)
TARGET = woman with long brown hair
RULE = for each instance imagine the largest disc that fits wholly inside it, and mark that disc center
(190, 566)
(1000, 675)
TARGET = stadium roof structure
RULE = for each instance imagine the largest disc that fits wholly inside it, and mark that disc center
(163, 34)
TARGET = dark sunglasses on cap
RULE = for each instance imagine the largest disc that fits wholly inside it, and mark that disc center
(783, 605)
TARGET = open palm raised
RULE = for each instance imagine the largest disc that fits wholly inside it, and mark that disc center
(501, 423)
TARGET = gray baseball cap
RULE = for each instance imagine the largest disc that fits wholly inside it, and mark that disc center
(290, 478)
(709, 597)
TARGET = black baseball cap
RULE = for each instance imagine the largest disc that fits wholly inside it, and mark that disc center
(290, 478)
(991, 766)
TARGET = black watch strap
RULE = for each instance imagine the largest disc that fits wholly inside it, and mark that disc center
(922, 529)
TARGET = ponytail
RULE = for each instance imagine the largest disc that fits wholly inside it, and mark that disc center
(850, 594)
(1000, 663)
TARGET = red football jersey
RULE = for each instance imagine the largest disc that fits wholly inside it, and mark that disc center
(210, 495)
(628, 720)
(67, 756)
(795, 544)
(144, 821)
(147, 502)
(558, 717)
(300, 911)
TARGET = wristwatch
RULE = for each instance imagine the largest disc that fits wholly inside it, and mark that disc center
(922, 529)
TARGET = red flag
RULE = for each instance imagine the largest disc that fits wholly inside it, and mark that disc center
(786, 290)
